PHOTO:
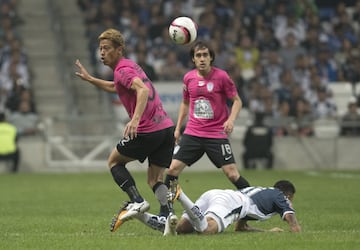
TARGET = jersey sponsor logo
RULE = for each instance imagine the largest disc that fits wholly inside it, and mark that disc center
(203, 109)
(201, 83)
(228, 157)
(210, 86)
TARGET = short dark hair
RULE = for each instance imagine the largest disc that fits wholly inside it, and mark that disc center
(202, 45)
(285, 186)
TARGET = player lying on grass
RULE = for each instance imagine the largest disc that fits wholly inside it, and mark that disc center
(217, 209)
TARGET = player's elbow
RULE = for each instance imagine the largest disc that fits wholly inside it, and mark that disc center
(296, 229)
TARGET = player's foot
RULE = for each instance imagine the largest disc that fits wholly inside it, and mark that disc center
(170, 225)
(127, 212)
(134, 208)
(174, 191)
(116, 222)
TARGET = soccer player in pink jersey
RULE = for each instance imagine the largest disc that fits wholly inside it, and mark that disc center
(149, 133)
(206, 92)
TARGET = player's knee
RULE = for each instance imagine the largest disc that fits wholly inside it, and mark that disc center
(231, 172)
(176, 168)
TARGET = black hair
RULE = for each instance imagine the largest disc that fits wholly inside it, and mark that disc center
(202, 45)
(285, 186)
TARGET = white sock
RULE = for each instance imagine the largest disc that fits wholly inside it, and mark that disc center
(151, 220)
(197, 218)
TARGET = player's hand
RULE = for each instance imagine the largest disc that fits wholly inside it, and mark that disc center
(228, 127)
(276, 230)
(177, 135)
(82, 73)
(131, 130)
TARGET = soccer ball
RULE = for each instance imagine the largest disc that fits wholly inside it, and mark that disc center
(183, 30)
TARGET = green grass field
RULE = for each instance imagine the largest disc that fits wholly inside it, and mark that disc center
(73, 211)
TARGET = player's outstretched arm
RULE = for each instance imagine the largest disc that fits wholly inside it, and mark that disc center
(293, 223)
(108, 86)
(242, 226)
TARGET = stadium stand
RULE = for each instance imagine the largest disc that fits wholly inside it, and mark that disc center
(322, 58)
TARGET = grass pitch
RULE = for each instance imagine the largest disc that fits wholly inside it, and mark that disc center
(73, 211)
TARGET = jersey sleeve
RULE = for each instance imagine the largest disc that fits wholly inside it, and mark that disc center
(283, 205)
(125, 76)
(185, 90)
(229, 86)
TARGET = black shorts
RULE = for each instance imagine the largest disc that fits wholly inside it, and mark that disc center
(157, 146)
(192, 148)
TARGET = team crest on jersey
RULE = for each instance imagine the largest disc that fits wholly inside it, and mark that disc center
(201, 83)
(210, 86)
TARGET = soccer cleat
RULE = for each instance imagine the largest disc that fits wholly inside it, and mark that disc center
(174, 191)
(134, 208)
(116, 222)
(170, 225)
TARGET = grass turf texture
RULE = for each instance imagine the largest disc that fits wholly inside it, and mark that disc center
(73, 211)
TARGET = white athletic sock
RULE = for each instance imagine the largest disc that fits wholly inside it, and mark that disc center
(197, 218)
(151, 220)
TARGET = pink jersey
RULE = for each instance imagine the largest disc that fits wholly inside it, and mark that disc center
(154, 117)
(208, 102)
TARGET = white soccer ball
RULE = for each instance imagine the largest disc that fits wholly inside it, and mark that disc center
(183, 30)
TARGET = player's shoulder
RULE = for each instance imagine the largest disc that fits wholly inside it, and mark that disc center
(190, 74)
(219, 71)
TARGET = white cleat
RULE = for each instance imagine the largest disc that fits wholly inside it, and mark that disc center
(170, 225)
(134, 208)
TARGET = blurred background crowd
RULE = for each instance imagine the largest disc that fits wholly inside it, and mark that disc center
(16, 91)
(283, 55)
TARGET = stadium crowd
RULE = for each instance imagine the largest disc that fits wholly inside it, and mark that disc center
(282, 54)
(16, 90)
(18, 114)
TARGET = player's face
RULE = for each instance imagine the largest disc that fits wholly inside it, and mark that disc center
(109, 54)
(202, 60)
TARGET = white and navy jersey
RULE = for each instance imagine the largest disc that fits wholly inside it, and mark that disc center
(225, 206)
(266, 202)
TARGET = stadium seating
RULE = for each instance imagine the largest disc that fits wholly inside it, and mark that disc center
(242, 122)
(326, 128)
(342, 93)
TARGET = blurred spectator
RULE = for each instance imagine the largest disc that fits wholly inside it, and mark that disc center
(324, 108)
(273, 69)
(303, 118)
(350, 122)
(290, 51)
(247, 56)
(292, 25)
(258, 142)
(267, 41)
(172, 68)
(148, 68)
(25, 121)
(9, 150)
(326, 66)
(14, 70)
(283, 123)
(349, 70)
(284, 91)
(301, 71)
